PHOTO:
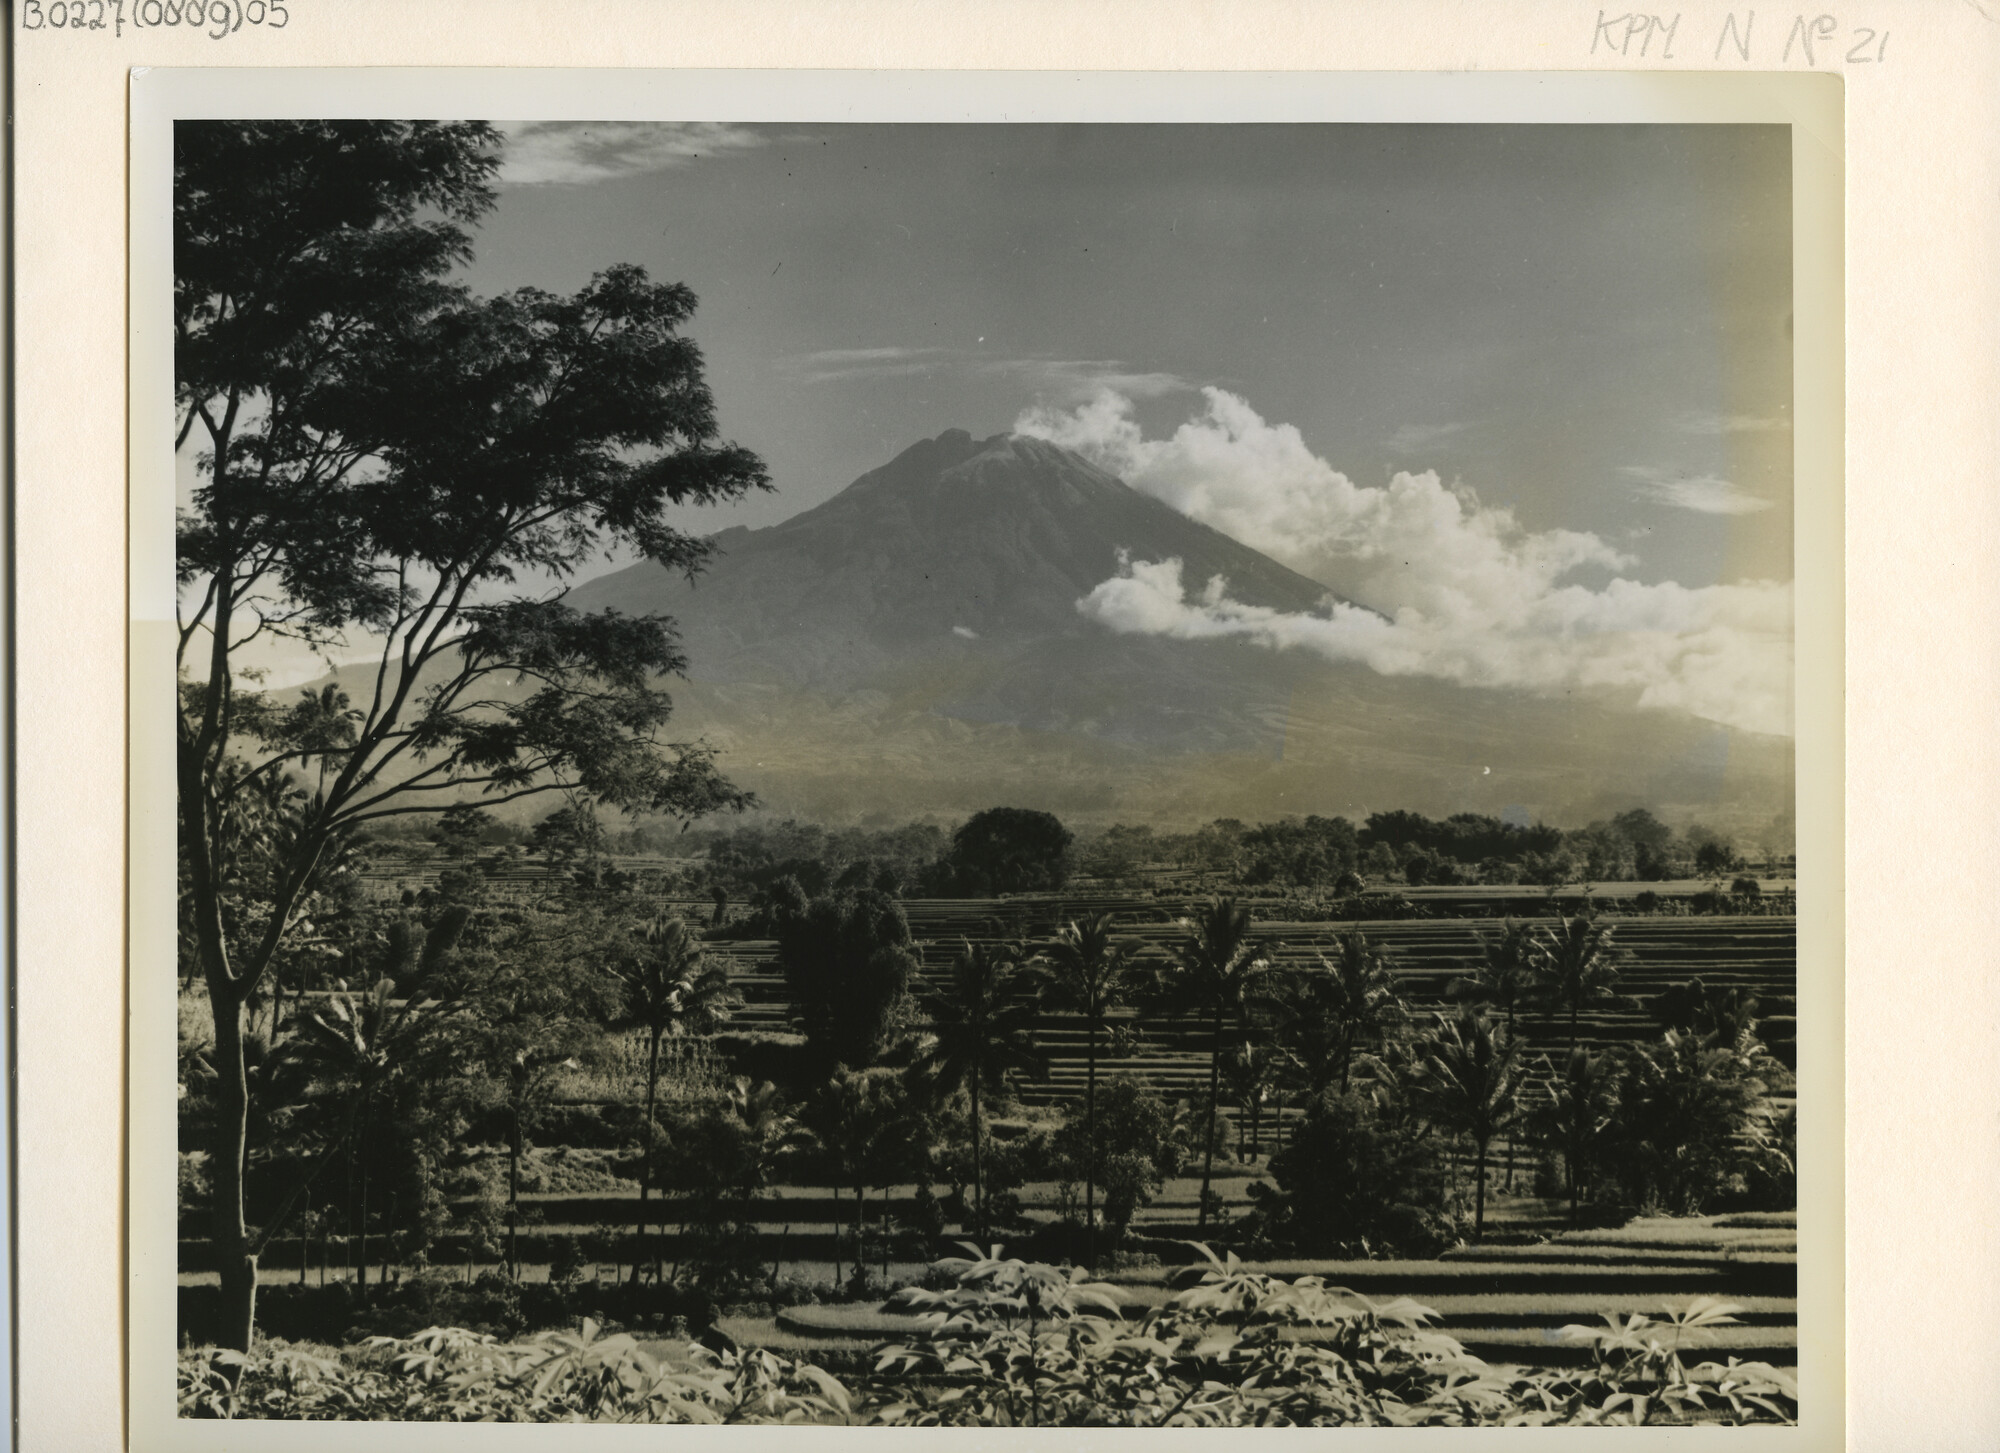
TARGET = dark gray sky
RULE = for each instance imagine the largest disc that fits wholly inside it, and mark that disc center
(1589, 325)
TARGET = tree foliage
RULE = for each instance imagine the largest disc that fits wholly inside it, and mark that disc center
(1008, 850)
(381, 452)
(848, 964)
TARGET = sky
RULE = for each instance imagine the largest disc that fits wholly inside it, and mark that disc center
(1587, 325)
(1521, 393)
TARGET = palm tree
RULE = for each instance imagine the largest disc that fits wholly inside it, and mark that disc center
(1215, 969)
(861, 1122)
(1084, 972)
(981, 1028)
(1322, 1016)
(1364, 997)
(1582, 1104)
(531, 1061)
(1505, 978)
(1249, 1072)
(670, 986)
(1468, 1079)
(1577, 963)
(353, 1048)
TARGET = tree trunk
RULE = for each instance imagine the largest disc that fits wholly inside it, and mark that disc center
(978, 1181)
(860, 1235)
(1479, 1188)
(1090, 1150)
(229, 1237)
(1214, 1094)
(229, 988)
(364, 1228)
(514, 1197)
(646, 1154)
(836, 1235)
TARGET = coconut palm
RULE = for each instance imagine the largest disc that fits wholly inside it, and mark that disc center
(1322, 1016)
(1577, 963)
(351, 1049)
(1215, 971)
(1084, 972)
(1685, 1119)
(1468, 1078)
(530, 1061)
(981, 1029)
(1580, 1109)
(1505, 978)
(860, 1121)
(669, 986)
(1364, 998)
(1250, 1070)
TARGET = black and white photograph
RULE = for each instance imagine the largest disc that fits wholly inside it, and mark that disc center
(987, 773)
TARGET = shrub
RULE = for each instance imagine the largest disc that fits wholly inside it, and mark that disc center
(450, 1375)
(1031, 1345)
(491, 1304)
(1352, 1181)
(1024, 1344)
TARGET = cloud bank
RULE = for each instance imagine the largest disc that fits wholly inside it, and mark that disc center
(543, 153)
(1441, 584)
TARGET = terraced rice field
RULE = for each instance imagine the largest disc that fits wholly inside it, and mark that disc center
(1508, 1303)
(1505, 1299)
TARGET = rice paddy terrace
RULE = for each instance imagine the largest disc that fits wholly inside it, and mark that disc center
(1754, 953)
(1504, 1298)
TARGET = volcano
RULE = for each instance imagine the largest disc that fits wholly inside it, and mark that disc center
(913, 645)
(955, 541)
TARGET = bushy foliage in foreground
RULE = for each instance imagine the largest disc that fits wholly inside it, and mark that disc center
(448, 1375)
(1019, 1344)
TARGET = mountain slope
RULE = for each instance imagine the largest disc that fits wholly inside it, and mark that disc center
(913, 644)
(951, 541)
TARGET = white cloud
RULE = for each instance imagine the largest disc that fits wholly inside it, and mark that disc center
(1444, 585)
(541, 153)
(1706, 494)
(965, 631)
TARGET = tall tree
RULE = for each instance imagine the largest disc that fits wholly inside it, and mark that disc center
(1505, 977)
(354, 1047)
(382, 453)
(1088, 974)
(863, 1124)
(671, 986)
(1216, 969)
(982, 1028)
(1577, 963)
(1581, 1104)
(848, 962)
(1469, 1079)
(1009, 850)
